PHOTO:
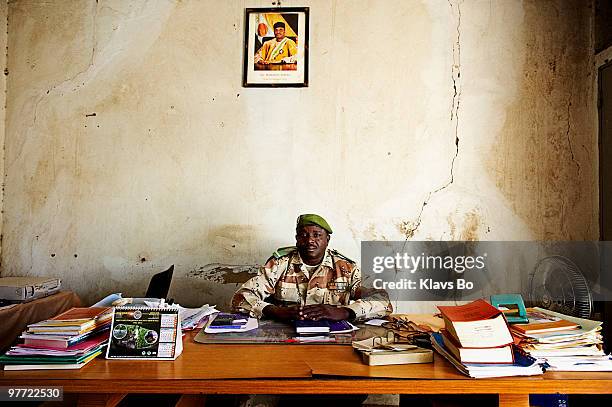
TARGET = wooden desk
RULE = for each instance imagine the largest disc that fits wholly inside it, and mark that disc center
(291, 369)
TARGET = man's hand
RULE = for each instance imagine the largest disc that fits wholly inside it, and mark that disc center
(280, 313)
(324, 311)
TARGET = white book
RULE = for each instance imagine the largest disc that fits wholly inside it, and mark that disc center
(251, 324)
(476, 325)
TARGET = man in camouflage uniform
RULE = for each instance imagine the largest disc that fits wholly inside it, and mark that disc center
(310, 281)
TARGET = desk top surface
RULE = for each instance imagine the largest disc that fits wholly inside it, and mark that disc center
(291, 369)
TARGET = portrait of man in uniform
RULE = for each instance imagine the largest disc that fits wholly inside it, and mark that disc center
(280, 50)
(276, 45)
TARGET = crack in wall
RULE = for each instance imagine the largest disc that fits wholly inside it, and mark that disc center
(409, 228)
(58, 85)
(100, 57)
(568, 131)
(82, 72)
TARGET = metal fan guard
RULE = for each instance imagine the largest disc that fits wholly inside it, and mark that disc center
(578, 301)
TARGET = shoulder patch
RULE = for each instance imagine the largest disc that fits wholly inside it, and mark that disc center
(336, 253)
(270, 262)
(283, 251)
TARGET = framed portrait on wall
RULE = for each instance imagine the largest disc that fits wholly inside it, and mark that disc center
(276, 47)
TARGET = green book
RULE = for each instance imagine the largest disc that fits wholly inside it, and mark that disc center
(35, 359)
(29, 365)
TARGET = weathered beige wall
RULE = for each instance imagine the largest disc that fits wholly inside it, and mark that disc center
(3, 62)
(131, 144)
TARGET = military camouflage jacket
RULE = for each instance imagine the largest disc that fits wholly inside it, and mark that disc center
(284, 279)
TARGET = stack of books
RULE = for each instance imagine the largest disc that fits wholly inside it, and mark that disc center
(563, 342)
(67, 341)
(477, 341)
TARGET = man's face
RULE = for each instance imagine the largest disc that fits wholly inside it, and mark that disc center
(279, 33)
(311, 242)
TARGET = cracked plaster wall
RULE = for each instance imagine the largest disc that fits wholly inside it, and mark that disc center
(131, 144)
(3, 61)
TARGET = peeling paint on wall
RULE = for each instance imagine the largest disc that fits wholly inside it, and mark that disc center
(471, 227)
(224, 273)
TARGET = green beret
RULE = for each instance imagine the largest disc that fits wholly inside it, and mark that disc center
(312, 219)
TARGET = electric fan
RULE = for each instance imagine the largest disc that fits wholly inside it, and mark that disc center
(558, 284)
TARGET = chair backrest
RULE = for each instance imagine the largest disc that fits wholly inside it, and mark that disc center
(160, 284)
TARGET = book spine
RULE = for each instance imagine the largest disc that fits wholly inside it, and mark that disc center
(46, 343)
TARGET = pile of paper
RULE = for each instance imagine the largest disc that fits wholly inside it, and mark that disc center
(476, 333)
(477, 341)
(577, 348)
(191, 318)
(523, 365)
(67, 341)
(194, 318)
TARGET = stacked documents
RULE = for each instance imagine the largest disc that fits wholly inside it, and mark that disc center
(67, 341)
(191, 318)
(477, 333)
(75, 321)
(574, 347)
(194, 318)
(477, 341)
(524, 365)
